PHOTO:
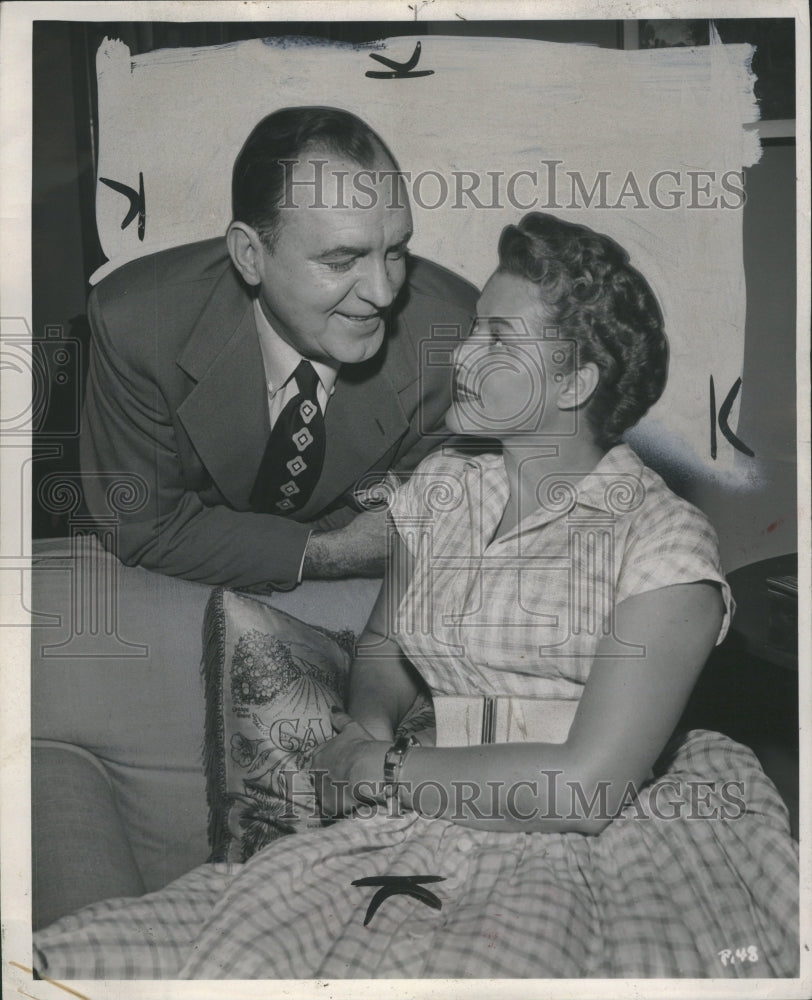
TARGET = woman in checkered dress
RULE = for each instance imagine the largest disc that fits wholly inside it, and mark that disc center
(558, 603)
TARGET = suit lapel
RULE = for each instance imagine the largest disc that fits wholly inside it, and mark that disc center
(363, 420)
(226, 414)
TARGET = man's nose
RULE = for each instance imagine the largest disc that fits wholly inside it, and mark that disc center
(375, 285)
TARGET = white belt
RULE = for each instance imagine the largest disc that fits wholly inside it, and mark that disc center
(465, 720)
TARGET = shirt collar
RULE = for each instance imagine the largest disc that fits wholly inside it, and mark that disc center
(281, 360)
(615, 486)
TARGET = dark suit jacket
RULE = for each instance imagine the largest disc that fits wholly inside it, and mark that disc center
(176, 395)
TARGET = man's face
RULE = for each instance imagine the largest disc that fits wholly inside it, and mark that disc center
(334, 271)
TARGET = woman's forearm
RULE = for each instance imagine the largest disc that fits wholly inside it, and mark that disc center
(629, 707)
(523, 787)
(509, 786)
(383, 685)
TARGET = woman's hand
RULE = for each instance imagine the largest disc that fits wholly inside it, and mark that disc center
(348, 769)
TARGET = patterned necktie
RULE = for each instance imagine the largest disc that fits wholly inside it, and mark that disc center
(294, 455)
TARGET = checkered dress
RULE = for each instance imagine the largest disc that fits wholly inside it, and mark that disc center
(523, 614)
(650, 896)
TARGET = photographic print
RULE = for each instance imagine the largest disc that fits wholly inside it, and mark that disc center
(405, 534)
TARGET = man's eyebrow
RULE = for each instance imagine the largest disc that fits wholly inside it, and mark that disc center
(401, 243)
(343, 250)
(348, 250)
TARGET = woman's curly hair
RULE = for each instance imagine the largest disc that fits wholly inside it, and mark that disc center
(597, 299)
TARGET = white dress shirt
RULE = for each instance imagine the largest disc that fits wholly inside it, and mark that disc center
(280, 360)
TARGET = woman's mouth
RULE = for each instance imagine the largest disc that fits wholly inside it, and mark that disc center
(461, 392)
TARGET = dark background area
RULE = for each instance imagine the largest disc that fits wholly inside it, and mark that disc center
(773, 60)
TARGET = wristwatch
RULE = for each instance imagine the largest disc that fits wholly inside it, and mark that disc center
(393, 762)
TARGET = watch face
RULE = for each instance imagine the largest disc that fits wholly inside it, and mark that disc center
(394, 757)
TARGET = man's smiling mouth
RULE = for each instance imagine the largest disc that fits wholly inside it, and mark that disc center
(365, 318)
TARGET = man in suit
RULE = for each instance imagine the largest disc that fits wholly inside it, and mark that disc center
(304, 325)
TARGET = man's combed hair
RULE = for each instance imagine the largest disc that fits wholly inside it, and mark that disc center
(597, 299)
(286, 136)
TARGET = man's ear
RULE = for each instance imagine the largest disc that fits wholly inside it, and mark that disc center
(246, 251)
(577, 388)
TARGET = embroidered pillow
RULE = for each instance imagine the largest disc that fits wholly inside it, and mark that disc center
(271, 681)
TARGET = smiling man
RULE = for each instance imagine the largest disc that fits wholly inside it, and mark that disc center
(254, 383)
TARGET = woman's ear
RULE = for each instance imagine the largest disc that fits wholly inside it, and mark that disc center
(246, 251)
(577, 388)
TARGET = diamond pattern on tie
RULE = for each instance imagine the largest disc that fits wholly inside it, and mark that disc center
(307, 411)
(302, 438)
(294, 455)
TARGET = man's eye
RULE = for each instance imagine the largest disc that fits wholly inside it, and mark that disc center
(340, 265)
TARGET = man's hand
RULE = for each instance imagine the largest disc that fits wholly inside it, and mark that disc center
(348, 769)
(358, 549)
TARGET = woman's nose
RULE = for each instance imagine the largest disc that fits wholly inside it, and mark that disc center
(461, 352)
(475, 346)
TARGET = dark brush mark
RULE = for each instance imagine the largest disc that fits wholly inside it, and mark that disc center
(137, 202)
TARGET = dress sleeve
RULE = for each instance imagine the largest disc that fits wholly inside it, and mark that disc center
(671, 544)
(426, 502)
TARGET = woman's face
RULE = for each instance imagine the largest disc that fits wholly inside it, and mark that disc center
(507, 372)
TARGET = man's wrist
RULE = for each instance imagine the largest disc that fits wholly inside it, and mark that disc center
(313, 555)
(323, 556)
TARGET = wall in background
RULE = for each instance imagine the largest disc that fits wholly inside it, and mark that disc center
(762, 522)
(759, 520)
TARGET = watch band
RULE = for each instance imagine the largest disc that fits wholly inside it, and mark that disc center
(393, 762)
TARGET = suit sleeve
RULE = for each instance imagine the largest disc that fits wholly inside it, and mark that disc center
(131, 473)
